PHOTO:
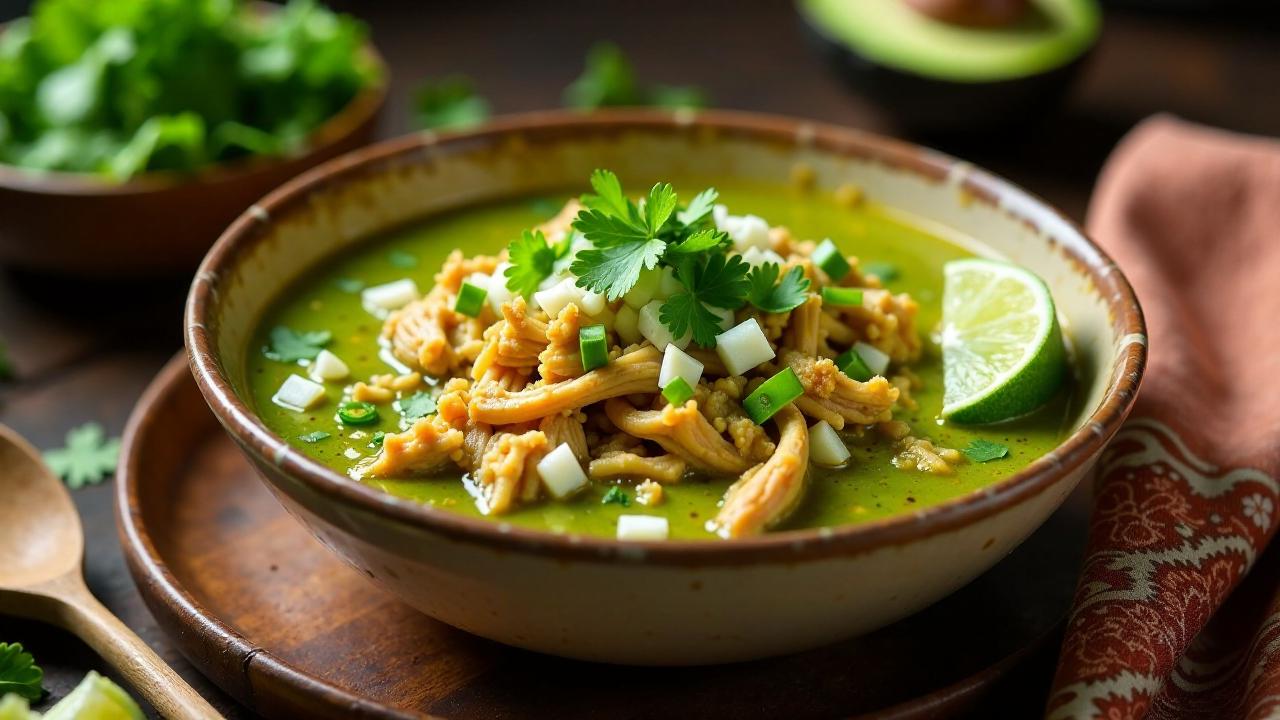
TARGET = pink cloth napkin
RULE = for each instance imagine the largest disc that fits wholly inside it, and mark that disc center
(1186, 497)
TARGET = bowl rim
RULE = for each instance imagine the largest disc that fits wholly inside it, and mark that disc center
(783, 546)
(362, 107)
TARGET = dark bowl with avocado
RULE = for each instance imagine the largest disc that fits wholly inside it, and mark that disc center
(933, 76)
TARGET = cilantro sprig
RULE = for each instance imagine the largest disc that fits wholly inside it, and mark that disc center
(88, 458)
(772, 296)
(289, 346)
(712, 280)
(625, 237)
(532, 261)
(19, 673)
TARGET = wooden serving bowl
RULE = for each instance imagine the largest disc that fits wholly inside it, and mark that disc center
(156, 223)
(664, 603)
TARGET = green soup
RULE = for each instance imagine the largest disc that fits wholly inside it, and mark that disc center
(328, 299)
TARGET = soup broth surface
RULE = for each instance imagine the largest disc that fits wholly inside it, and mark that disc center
(870, 487)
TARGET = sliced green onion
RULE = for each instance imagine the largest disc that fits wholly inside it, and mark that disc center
(772, 395)
(828, 257)
(354, 412)
(592, 346)
(852, 364)
(846, 297)
(677, 391)
(470, 299)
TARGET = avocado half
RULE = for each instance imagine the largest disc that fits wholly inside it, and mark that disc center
(935, 77)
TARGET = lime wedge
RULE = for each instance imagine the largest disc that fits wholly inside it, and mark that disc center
(96, 698)
(1002, 350)
(15, 707)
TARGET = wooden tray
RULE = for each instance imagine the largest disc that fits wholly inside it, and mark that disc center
(287, 628)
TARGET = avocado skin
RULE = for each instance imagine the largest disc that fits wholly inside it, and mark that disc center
(926, 106)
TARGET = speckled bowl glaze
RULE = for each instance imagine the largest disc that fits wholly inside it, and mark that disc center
(670, 603)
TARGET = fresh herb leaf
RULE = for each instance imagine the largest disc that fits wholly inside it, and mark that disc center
(713, 281)
(19, 673)
(608, 80)
(613, 271)
(290, 346)
(403, 260)
(604, 229)
(88, 457)
(782, 297)
(314, 437)
(985, 451)
(418, 405)
(700, 208)
(449, 104)
(699, 241)
(616, 496)
(532, 261)
(351, 286)
(608, 198)
(378, 437)
(659, 206)
(886, 271)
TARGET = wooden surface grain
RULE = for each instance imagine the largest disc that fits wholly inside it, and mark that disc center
(84, 351)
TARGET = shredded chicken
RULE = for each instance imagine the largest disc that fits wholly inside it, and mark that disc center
(922, 455)
(682, 431)
(886, 321)
(508, 470)
(566, 428)
(831, 395)
(764, 494)
(562, 359)
(427, 447)
(634, 372)
(665, 469)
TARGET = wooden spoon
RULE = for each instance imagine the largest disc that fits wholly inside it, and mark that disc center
(41, 550)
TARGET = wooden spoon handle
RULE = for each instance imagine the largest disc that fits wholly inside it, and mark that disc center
(168, 693)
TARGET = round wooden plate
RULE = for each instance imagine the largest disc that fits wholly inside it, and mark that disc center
(290, 630)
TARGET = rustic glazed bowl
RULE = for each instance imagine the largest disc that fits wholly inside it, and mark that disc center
(156, 223)
(666, 603)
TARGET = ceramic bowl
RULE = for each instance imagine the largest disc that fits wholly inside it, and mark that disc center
(156, 223)
(667, 603)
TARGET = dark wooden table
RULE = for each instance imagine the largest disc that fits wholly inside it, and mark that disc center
(84, 351)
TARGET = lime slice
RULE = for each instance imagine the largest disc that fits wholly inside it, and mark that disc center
(96, 698)
(15, 707)
(1002, 350)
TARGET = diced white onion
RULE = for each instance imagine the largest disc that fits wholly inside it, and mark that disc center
(499, 295)
(677, 363)
(668, 284)
(749, 232)
(480, 280)
(382, 299)
(756, 257)
(328, 367)
(725, 315)
(877, 362)
(561, 473)
(743, 347)
(642, 527)
(555, 298)
(825, 446)
(627, 324)
(352, 454)
(719, 214)
(654, 331)
(298, 393)
(590, 303)
(645, 288)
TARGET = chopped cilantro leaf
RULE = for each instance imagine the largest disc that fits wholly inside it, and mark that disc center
(314, 437)
(886, 271)
(418, 405)
(19, 673)
(714, 280)
(780, 297)
(450, 103)
(608, 198)
(378, 437)
(289, 346)
(612, 271)
(616, 496)
(700, 207)
(88, 457)
(699, 241)
(604, 229)
(532, 261)
(351, 286)
(985, 451)
(659, 206)
(403, 260)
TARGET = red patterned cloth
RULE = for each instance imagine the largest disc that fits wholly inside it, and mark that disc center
(1177, 614)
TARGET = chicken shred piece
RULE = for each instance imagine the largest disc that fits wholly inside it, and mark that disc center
(922, 455)
(664, 469)
(837, 398)
(634, 372)
(508, 470)
(765, 493)
(566, 428)
(562, 358)
(427, 446)
(682, 431)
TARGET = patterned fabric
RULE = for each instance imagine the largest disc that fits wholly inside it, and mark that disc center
(1186, 497)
